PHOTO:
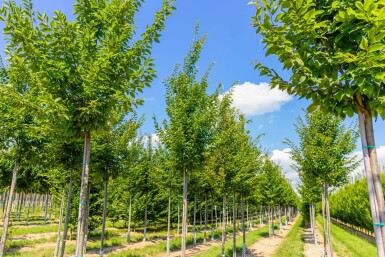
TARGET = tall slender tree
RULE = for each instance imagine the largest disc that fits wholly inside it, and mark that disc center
(187, 128)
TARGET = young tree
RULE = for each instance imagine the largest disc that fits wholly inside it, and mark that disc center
(92, 63)
(110, 147)
(334, 50)
(186, 131)
(323, 155)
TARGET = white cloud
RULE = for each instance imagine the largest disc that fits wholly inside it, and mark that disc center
(282, 158)
(154, 139)
(258, 99)
(260, 126)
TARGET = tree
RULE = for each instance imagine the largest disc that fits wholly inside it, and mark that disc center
(92, 64)
(110, 147)
(334, 50)
(187, 128)
(323, 155)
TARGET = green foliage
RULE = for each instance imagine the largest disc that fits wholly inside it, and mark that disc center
(323, 155)
(273, 188)
(91, 65)
(334, 49)
(350, 204)
(186, 131)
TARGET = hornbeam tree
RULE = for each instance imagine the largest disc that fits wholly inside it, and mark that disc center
(334, 50)
(93, 64)
(323, 155)
(186, 131)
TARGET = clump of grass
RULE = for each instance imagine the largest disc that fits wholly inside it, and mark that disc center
(345, 243)
(293, 244)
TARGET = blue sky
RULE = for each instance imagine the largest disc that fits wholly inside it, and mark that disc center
(233, 45)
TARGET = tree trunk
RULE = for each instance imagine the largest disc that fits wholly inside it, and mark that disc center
(145, 221)
(212, 219)
(66, 221)
(272, 221)
(216, 216)
(184, 213)
(168, 222)
(9, 206)
(5, 202)
(46, 207)
(82, 215)
(30, 202)
(104, 217)
(370, 158)
(128, 240)
(234, 226)
(178, 227)
(285, 216)
(60, 222)
(223, 226)
(280, 218)
(323, 220)
(205, 228)
(243, 228)
(194, 222)
(260, 217)
(313, 217)
(20, 207)
(376, 174)
(328, 220)
(86, 218)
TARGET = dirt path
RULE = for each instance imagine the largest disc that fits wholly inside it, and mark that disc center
(266, 246)
(120, 248)
(310, 249)
(36, 236)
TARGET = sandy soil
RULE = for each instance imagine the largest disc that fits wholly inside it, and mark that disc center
(312, 250)
(265, 247)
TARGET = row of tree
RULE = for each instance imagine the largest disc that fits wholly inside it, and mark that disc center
(67, 80)
(333, 50)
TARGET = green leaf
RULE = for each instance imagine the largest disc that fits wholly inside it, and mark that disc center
(376, 47)
(312, 107)
(364, 44)
(298, 3)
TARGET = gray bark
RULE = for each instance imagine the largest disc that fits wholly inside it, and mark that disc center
(378, 231)
(66, 221)
(82, 214)
(9, 206)
(128, 239)
(184, 213)
(223, 227)
(234, 226)
(168, 222)
(60, 222)
(104, 218)
(243, 228)
(205, 228)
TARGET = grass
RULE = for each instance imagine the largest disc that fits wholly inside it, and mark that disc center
(347, 244)
(293, 244)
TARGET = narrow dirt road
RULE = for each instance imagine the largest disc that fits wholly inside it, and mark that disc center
(267, 246)
(310, 249)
